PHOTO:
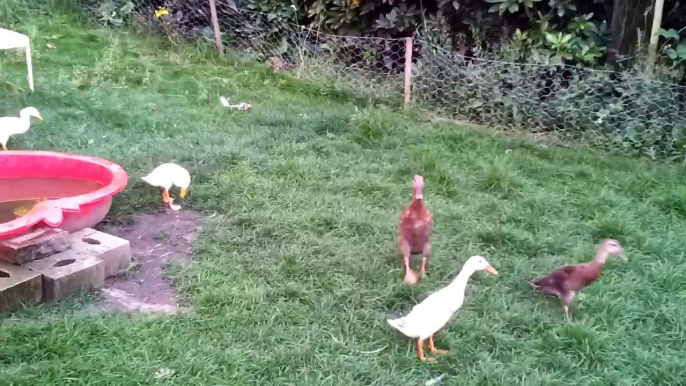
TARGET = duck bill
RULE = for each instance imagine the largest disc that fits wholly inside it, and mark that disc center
(183, 192)
(622, 255)
(491, 270)
(39, 117)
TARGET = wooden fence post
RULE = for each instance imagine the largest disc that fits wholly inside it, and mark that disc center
(215, 25)
(408, 71)
(654, 36)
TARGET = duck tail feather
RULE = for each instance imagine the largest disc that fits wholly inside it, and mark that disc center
(398, 324)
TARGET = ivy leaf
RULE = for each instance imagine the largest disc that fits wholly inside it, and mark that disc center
(476, 103)
(669, 34)
(672, 54)
(514, 7)
(681, 51)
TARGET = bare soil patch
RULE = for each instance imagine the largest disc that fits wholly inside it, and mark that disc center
(156, 240)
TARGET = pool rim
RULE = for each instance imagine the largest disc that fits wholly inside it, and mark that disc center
(51, 212)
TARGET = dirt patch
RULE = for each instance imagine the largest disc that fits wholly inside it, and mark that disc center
(156, 240)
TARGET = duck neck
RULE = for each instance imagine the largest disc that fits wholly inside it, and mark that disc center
(24, 123)
(600, 257)
(460, 282)
(418, 194)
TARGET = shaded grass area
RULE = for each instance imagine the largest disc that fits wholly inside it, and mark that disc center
(298, 270)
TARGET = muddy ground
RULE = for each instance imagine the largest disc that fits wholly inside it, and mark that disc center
(156, 240)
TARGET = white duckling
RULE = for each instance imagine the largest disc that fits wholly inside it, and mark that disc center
(167, 175)
(12, 125)
(429, 316)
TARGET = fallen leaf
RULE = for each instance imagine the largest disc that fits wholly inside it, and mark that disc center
(51, 46)
(163, 373)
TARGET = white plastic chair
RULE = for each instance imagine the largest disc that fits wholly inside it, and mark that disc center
(14, 40)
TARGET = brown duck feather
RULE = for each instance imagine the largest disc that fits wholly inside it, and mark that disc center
(566, 281)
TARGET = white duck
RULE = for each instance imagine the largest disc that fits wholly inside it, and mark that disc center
(167, 175)
(12, 125)
(429, 316)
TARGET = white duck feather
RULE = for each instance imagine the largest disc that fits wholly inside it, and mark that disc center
(166, 176)
(10, 126)
(429, 316)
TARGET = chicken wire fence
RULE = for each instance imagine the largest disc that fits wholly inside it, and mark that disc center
(369, 65)
(617, 110)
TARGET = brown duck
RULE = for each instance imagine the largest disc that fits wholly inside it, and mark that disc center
(416, 226)
(565, 282)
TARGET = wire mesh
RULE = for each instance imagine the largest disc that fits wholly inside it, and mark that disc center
(618, 110)
(365, 65)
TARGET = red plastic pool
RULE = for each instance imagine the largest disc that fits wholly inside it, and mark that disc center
(69, 213)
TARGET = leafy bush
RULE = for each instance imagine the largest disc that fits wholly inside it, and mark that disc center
(114, 12)
(616, 109)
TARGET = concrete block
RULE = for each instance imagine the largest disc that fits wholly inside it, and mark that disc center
(18, 285)
(68, 272)
(114, 251)
(34, 245)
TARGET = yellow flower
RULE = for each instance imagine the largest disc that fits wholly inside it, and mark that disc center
(161, 12)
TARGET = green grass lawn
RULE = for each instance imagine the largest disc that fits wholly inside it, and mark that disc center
(296, 274)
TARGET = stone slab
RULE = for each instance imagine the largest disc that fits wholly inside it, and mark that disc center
(34, 245)
(68, 272)
(114, 251)
(18, 286)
